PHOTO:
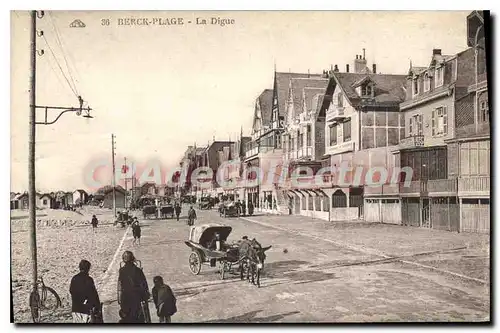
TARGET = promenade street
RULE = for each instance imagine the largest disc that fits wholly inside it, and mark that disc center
(319, 272)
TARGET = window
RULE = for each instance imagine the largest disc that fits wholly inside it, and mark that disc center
(484, 112)
(439, 76)
(333, 135)
(301, 140)
(347, 130)
(366, 90)
(415, 86)
(340, 100)
(427, 82)
(44, 201)
(309, 133)
(439, 121)
(415, 127)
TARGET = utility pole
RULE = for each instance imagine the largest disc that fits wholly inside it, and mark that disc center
(126, 193)
(32, 138)
(113, 178)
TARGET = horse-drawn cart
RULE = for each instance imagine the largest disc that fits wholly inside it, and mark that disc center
(224, 256)
(229, 209)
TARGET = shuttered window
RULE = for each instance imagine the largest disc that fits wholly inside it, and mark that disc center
(333, 135)
(439, 121)
(347, 130)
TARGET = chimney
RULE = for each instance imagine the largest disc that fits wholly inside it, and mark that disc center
(336, 69)
(356, 56)
(363, 54)
(347, 68)
(360, 64)
(436, 52)
(374, 70)
(308, 73)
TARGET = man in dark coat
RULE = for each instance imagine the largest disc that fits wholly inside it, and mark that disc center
(191, 216)
(133, 289)
(84, 297)
(94, 222)
(164, 300)
(136, 232)
(177, 210)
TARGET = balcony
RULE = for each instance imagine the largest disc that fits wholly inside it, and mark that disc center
(416, 188)
(335, 114)
(411, 142)
(304, 152)
(442, 187)
(252, 152)
(384, 190)
(472, 130)
(474, 186)
(340, 148)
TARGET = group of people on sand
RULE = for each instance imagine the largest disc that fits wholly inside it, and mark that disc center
(133, 295)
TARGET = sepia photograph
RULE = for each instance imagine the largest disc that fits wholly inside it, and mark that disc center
(243, 167)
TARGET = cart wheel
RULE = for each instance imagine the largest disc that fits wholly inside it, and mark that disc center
(195, 263)
(222, 269)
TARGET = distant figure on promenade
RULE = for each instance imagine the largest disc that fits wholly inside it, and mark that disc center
(84, 297)
(133, 290)
(136, 232)
(177, 210)
(164, 300)
(243, 208)
(191, 216)
(94, 222)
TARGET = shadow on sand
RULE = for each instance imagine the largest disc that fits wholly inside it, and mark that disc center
(251, 317)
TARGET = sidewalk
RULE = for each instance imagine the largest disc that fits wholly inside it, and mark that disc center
(461, 253)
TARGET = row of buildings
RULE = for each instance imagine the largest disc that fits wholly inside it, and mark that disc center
(435, 119)
(59, 199)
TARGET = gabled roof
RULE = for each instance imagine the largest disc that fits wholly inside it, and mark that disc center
(416, 70)
(388, 88)
(117, 189)
(264, 104)
(81, 191)
(282, 81)
(46, 195)
(313, 97)
(298, 86)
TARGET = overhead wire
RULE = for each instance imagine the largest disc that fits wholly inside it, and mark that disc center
(58, 38)
(59, 65)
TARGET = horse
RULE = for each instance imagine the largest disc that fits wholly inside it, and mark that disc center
(252, 264)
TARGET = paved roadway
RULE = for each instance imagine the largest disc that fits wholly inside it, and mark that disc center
(306, 279)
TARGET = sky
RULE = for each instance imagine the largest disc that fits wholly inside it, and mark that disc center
(162, 88)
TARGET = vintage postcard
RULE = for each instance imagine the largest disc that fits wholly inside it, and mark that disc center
(250, 166)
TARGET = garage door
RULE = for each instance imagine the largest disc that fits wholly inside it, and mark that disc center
(476, 215)
(391, 211)
(372, 210)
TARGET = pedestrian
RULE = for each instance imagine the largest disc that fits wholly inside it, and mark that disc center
(164, 300)
(84, 297)
(243, 208)
(94, 222)
(136, 232)
(177, 210)
(133, 290)
(191, 216)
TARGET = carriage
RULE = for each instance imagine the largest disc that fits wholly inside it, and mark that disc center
(167, 210)
(206, 203)
(199, 241)
(225, 256)
(229, 209)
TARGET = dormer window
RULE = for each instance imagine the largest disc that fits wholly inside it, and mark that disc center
(439, 76)
(340, 100)
(415, 86)
(427, 82)
(366, 90)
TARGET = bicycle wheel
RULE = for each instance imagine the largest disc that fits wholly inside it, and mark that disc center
(35, 306)
(50, 299)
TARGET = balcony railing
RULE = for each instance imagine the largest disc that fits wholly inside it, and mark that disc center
(340, 148)
(415, 187)
(386, 189)
(252, 152)
(474, 185)
(335, 114)
(472, 129)
(414, 141)
(442, 186)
